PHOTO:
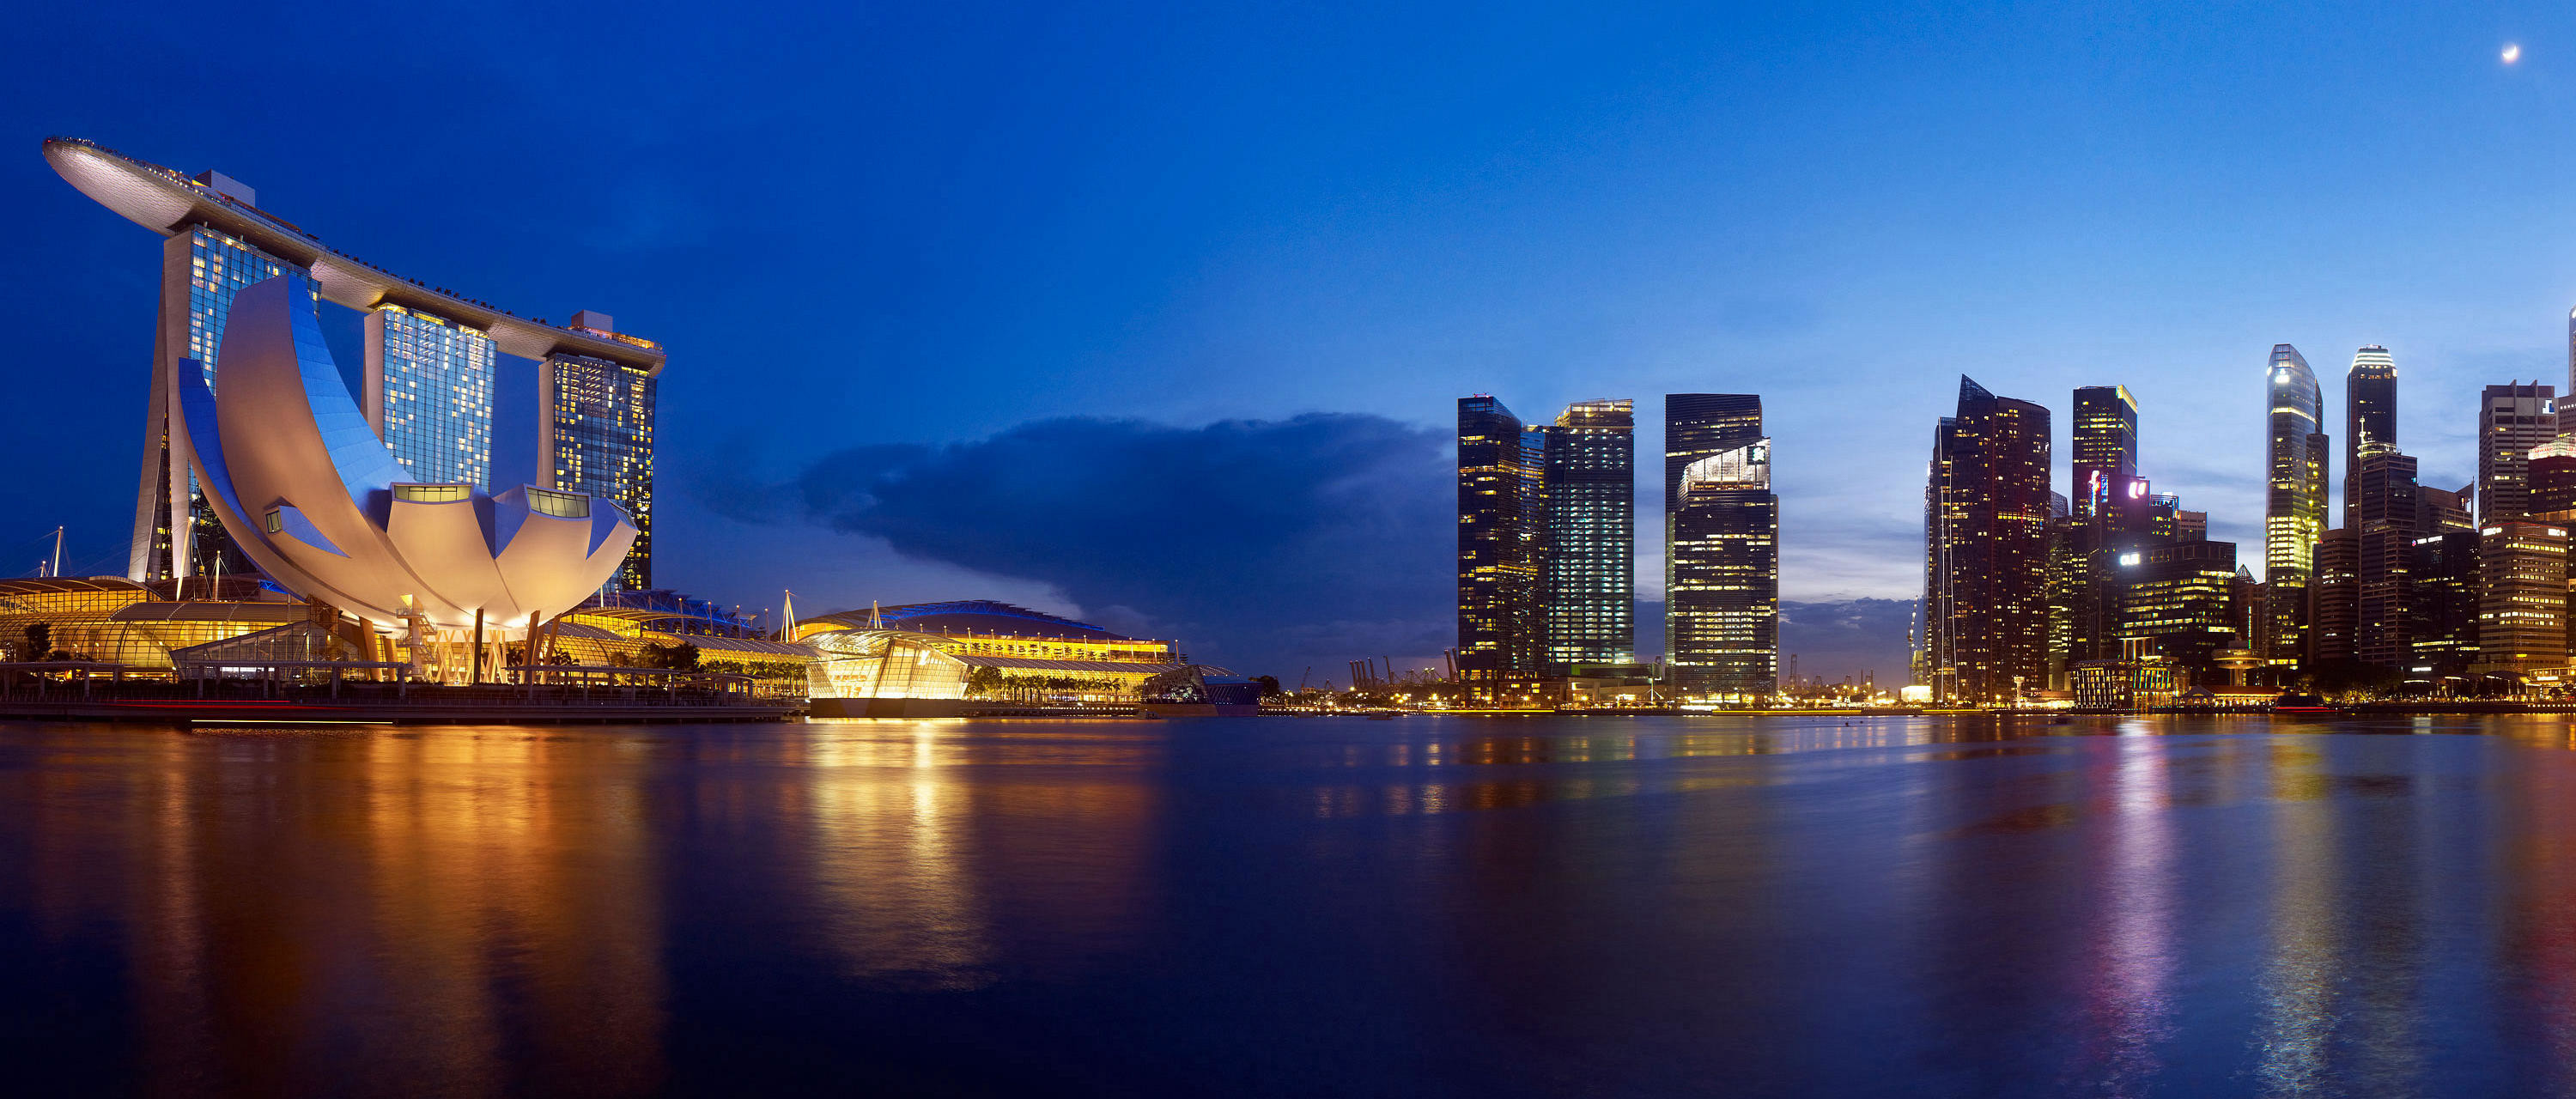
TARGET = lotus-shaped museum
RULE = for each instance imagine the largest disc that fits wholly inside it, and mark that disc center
(317, 500)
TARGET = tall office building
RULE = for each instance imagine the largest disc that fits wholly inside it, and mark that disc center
(1589, 587)
(1500, 546)
(2512, 420)
(1696, 426)
(2106, 445)
(2369, 416)
(2334, 600)
(2522, 597)
(2177, 602)
(2442, 629)
(1723, 609)
(1986, 508)
(2386, 509)
(450, 384)
(2295, 501)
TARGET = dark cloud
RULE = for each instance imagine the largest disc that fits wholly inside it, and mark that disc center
(1847, 638)
(1259, 544)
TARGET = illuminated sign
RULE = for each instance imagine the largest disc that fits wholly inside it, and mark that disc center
(2128, 559)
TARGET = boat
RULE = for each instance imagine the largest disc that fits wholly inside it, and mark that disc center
(2293, 703)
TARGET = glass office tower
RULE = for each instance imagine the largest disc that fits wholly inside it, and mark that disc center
(2386, 509)
(429, 391)
(1722, 609)
(1500, 546)
(2294, 511)
(2369, 417)
(599, 431)
(1589, 588)
(1696, 426)
(1986, 507)
(2106, 445)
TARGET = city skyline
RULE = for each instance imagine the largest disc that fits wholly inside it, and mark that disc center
(1182, 280)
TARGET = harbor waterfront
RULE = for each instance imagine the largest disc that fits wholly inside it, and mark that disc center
(2234, 905)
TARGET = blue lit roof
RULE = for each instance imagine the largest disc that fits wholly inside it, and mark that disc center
(982, 616)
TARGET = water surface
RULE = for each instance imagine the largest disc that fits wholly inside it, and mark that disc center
(1284, 906)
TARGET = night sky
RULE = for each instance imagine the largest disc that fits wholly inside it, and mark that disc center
(1156, 316)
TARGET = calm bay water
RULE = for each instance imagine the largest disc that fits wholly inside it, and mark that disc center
(1296, 907)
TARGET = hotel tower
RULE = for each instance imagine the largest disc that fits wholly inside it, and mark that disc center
(464, 392)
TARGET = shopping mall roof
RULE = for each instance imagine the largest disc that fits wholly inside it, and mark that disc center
(48, 585)
(967, 617)
(162, 200)
(208, 610)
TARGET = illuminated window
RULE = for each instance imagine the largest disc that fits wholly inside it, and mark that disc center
(561, 505)
(432, 494)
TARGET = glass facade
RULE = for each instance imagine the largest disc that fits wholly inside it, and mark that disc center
(2522, 598)
(600, 435)
(2384, 515)
(2442, 633)
(434, 379)
(1589, 596)
(1697, 425)
(219, 267)
(883, 664)
(2294, 509)
(1722, 611)
(2369, 419)
(1986, 510)
(2106, 445)
(116, 622)
(1500, 546)
(2178, 599)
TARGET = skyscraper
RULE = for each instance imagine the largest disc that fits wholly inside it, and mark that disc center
(2369, 416)
(2295, 500)
(2512, 419)
(2386, 509)
(435, 362)
(2334, 600)
(2175, 602)
(2522, 597)
(2106, 445)
(1589, 588)
(1697, 425)
(597, 421)
(1985, 549)
(429, 389)
(2442, 630)
(1500, 539)
(1723, 609)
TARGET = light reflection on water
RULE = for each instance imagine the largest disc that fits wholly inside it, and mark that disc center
(1645, 906)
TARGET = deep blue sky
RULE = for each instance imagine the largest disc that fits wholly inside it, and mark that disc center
(886, 246)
